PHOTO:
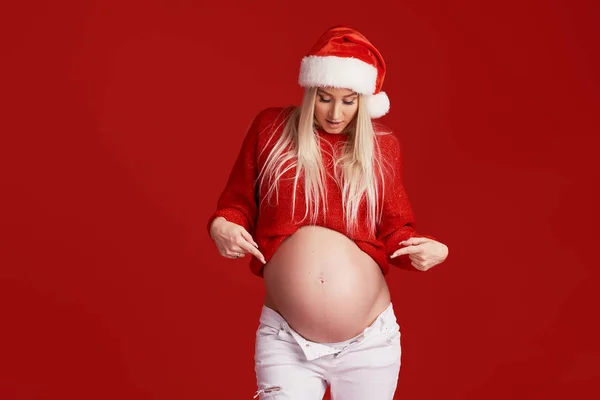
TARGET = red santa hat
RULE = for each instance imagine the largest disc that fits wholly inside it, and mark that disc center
(344, 58)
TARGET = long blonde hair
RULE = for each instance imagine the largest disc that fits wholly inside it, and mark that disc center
(358, 170)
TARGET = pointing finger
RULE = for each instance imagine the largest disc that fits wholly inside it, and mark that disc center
(255, 252)
(406, 250)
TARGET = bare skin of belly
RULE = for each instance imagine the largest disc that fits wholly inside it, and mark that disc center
(326, 288)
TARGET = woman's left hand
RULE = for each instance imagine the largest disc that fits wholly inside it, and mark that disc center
(424, 253)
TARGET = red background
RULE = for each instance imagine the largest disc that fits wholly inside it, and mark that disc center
(120, 122)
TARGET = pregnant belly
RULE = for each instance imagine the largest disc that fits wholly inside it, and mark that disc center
(324, 285)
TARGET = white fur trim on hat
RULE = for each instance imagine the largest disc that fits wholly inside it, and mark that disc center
(339, 72)
(378, 104)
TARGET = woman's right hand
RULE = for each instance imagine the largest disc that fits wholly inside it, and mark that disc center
(233, 241)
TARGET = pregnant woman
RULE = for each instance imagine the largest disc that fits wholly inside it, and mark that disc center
(316, 198)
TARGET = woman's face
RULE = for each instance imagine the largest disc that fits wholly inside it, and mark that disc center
(335, 108)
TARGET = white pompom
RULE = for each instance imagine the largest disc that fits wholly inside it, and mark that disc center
(378, 104)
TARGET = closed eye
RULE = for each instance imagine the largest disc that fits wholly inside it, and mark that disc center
(348, 103)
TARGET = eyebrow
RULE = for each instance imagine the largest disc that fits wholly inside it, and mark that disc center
(329, 94)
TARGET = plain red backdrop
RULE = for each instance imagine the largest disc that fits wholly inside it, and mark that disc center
(120, 122)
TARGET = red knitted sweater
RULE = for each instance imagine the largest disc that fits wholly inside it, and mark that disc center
(273, 223)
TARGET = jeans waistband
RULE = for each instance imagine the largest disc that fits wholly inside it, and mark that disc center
(270, 317)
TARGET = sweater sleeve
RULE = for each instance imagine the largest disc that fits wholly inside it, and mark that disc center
(398, 221)
(237, 203)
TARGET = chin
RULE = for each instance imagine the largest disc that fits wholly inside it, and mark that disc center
(335, 130)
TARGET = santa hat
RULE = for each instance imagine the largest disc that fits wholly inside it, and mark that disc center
(344, 58)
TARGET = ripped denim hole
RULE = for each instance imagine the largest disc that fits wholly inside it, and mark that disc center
(267, 390)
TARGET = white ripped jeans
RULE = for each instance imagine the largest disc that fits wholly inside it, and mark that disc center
(289, 367)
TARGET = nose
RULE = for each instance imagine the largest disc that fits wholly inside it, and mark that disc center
(335, 111)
